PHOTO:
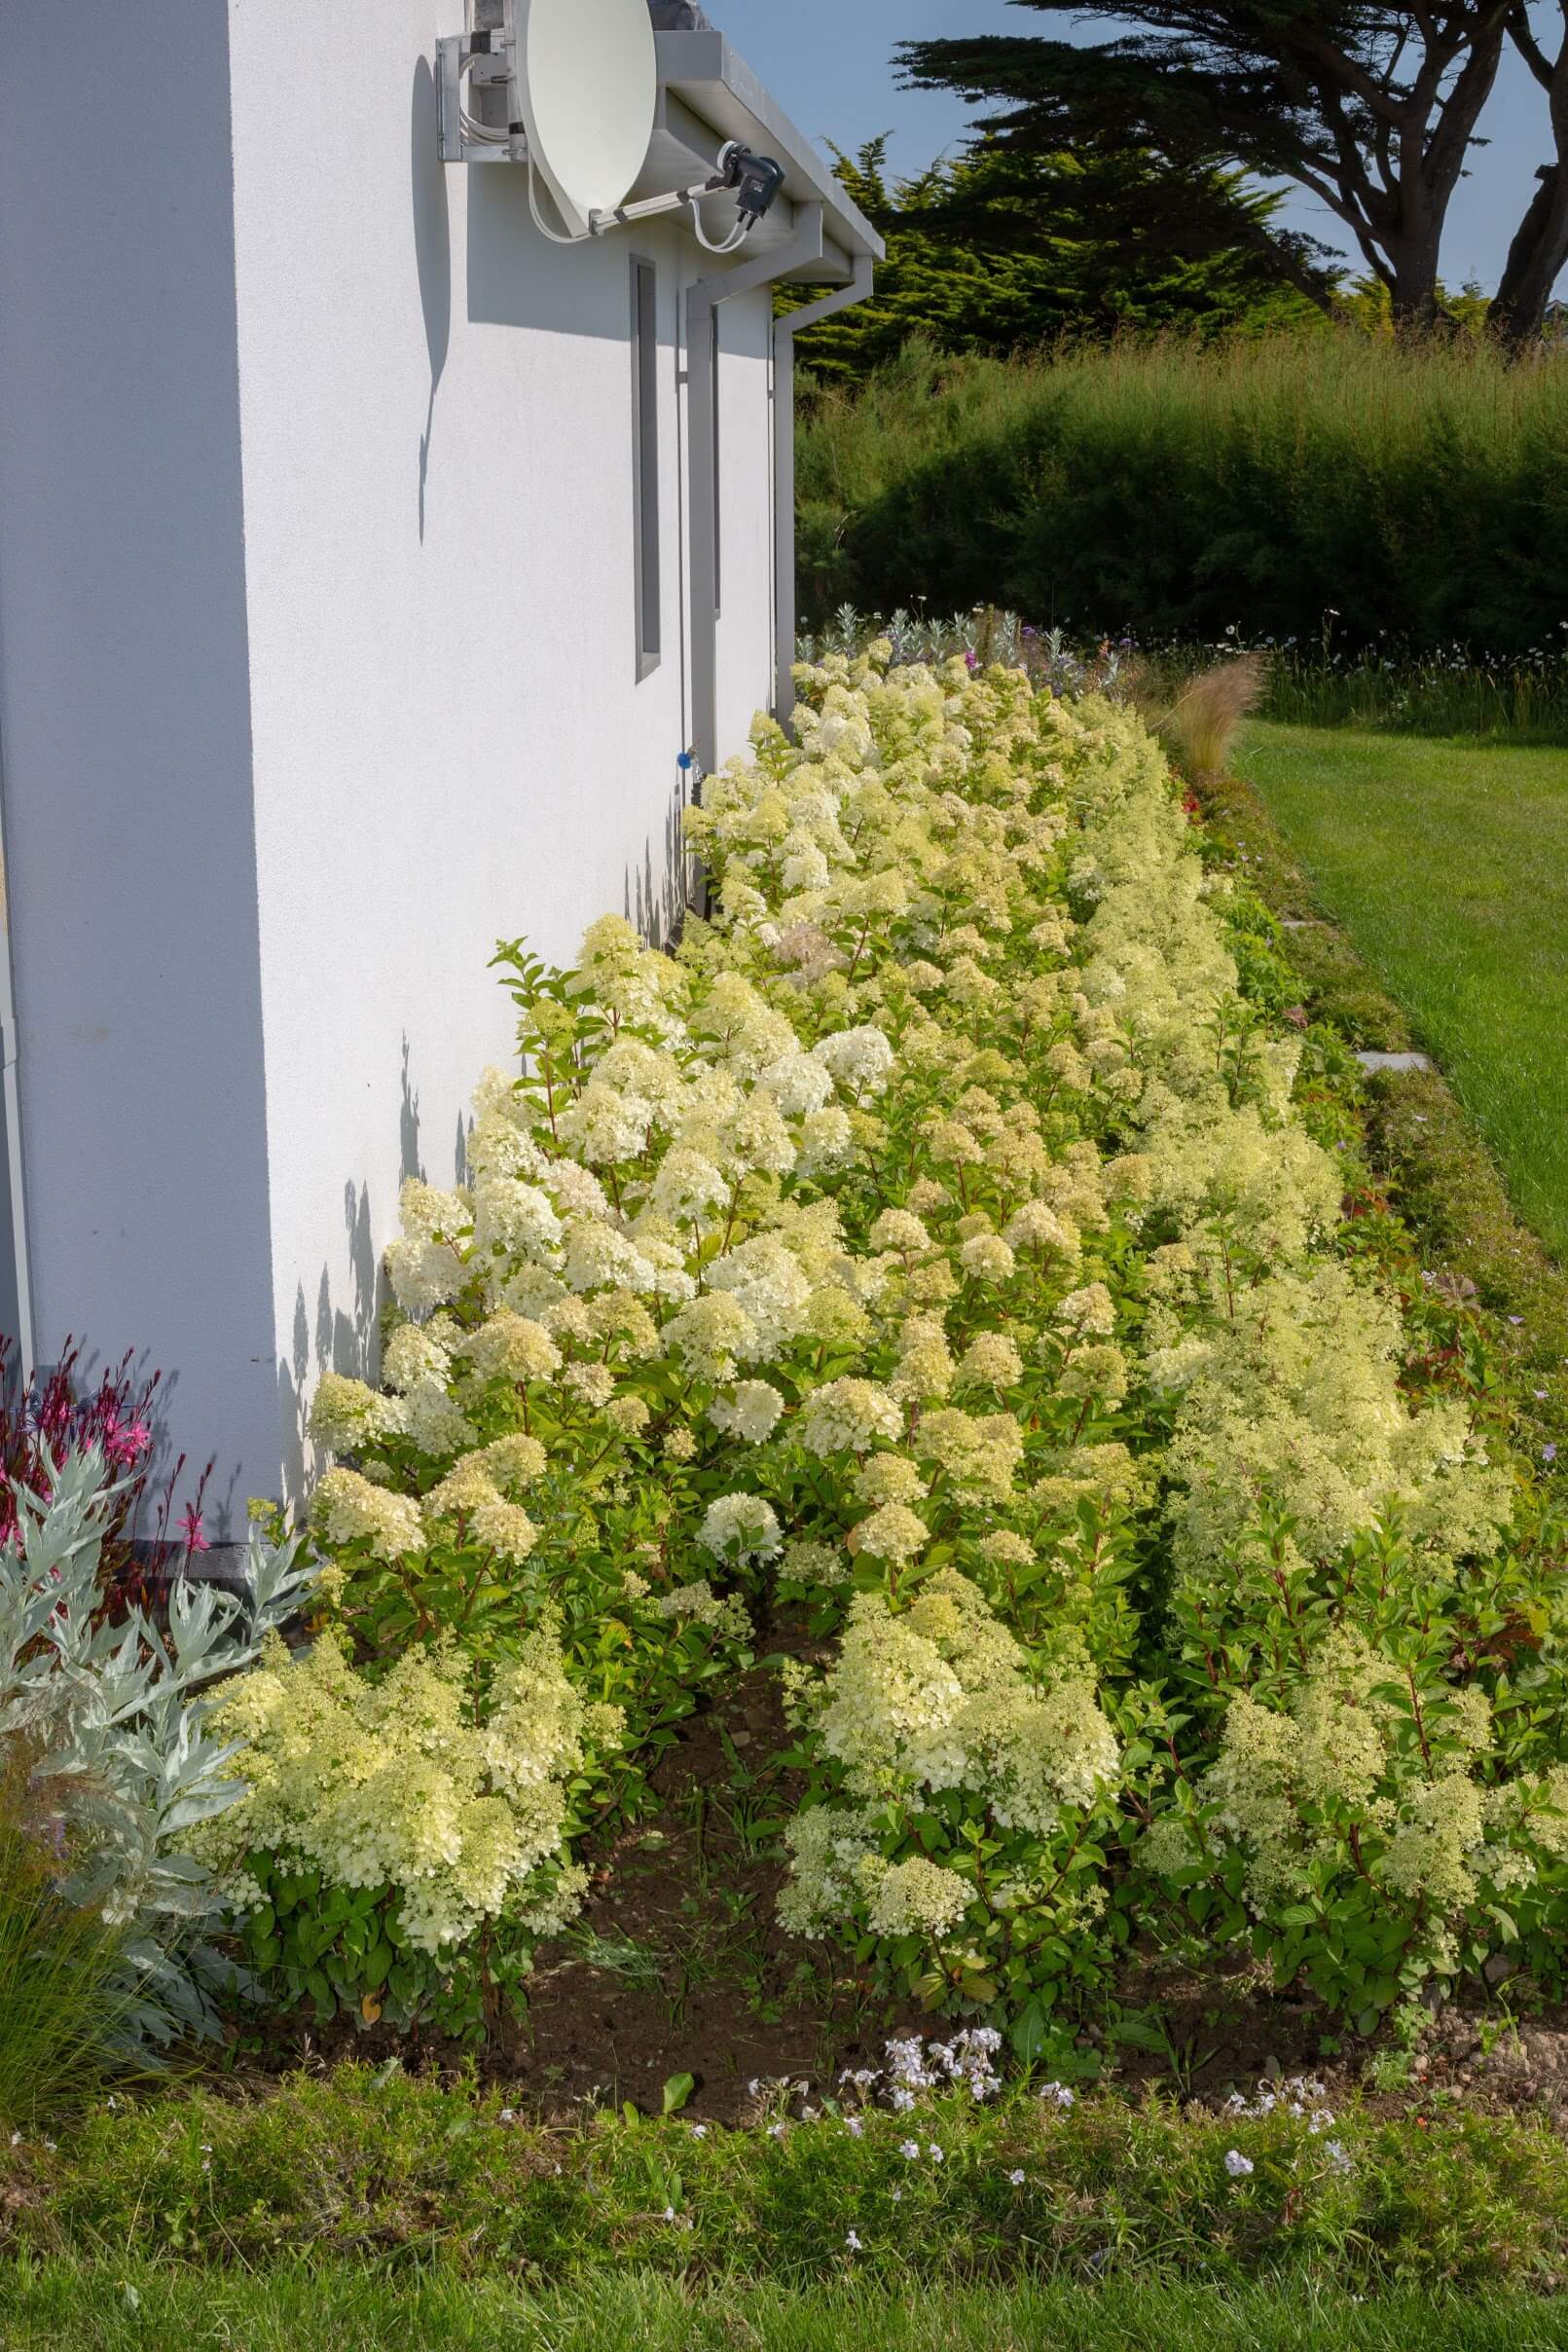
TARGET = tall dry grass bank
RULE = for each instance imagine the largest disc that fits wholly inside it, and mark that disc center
(1282, 488)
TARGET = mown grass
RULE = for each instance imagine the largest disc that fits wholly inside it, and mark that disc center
(323, 2307)
(1446, 864)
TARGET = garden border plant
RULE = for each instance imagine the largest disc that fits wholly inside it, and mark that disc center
(1422, 1149)
(416, 2176)
(946, 1254)
(1174, 1577)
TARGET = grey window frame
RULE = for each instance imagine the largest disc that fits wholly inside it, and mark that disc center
(645, 547)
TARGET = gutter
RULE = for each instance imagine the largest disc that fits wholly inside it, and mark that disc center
(712, 81)
(806, 248)
(784, 586)
(702, 298)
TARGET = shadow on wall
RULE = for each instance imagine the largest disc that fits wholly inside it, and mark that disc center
(345, 1338)
(518, 278)
(655, 903)
(432, 249)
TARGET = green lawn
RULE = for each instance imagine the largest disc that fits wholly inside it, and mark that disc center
(1446, 864)
(323, 2309)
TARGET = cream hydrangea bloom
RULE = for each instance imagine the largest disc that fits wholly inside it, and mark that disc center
(347, 1509)
(751, 1412)
(739, 1527)
(847, 1417)
(512, 1348)
(347, 1415)
(394, 1784)
(894, 1532)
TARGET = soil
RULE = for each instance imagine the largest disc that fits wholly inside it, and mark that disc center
(1223, 2032)
(677, 1964)
(678, 1967)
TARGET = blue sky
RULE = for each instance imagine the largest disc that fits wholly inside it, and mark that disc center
(828, 63)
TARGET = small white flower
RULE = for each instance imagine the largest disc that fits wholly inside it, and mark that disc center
(909, 2149)
(1236, 2164)
(852, 2242)
(934, 2152)
(897, 2195)
(669, 2213)
(699, 2131)
(854, 2126)
(1057, 2094)
(1016, 2178)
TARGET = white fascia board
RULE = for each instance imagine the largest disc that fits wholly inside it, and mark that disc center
(705, 87)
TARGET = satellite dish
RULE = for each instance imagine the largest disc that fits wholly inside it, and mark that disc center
(588, 77)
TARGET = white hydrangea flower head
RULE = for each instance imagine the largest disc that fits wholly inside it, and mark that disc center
(767, 1280)
(1086, 1312)
(751, 1412)
(511, 1348)
(847, 1417)
(987, 1257)
(512, 1215)
(347, 1509)
(894, 1532)
(418, 1351)
(860, 1060)
(739, 1527)
(347, 1415)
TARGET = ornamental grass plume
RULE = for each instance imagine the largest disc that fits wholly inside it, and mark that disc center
(58, 1962)
(1201, 726)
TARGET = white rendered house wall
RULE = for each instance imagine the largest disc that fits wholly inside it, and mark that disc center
(317, 664)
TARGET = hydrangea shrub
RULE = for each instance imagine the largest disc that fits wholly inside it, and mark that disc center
(932, 1247)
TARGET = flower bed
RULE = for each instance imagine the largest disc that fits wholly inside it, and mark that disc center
(930, 1258)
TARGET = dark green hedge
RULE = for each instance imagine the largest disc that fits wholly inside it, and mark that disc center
(1278, 488)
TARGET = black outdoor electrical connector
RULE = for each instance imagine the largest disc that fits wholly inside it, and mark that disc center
(755, 179)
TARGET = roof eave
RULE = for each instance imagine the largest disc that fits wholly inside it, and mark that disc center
(704, 87)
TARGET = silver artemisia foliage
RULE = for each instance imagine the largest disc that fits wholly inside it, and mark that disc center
(114, 1721)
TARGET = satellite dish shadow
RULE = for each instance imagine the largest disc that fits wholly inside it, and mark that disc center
(432, 247)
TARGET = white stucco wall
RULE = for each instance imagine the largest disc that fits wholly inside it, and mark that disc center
(125, 718)
(317, 663)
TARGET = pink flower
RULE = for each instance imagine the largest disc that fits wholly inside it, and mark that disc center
(125, 1445)
(190, 1523)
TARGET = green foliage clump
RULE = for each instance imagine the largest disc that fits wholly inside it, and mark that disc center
(59, 2004)
(108, 1743)
(376, 2166)
(1417, 489)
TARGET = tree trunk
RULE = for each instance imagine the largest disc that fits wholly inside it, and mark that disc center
(1535, 261)
(1415, 290)
(1538, 253)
